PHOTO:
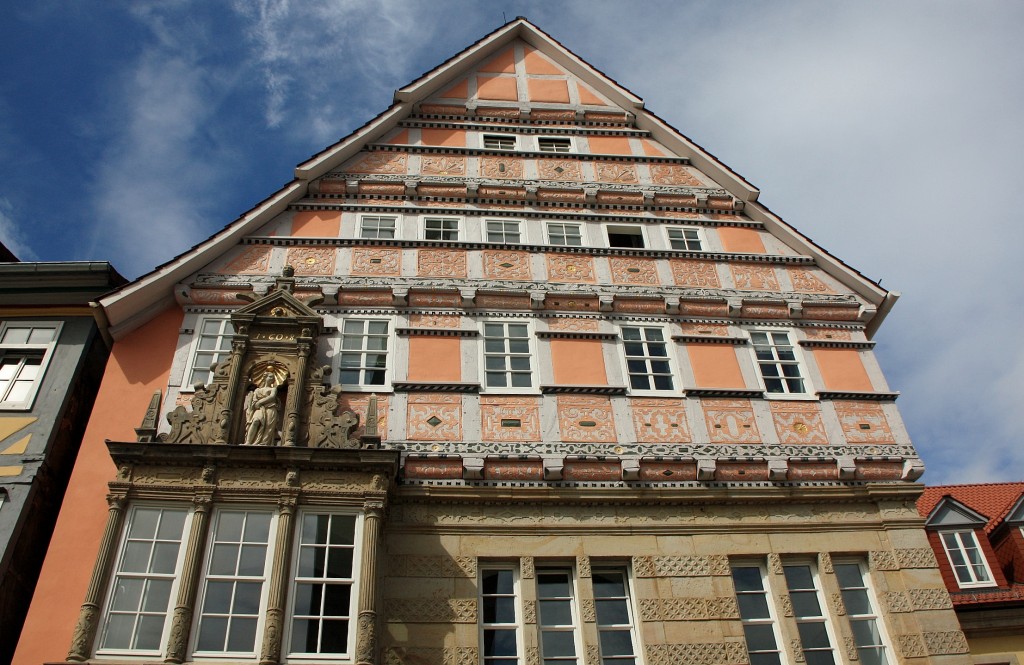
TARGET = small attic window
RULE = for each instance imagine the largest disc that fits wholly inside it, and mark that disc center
(625, 236)
(493, 142)
(554, 144)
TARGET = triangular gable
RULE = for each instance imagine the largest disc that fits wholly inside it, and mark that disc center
(951, 513)
(134, 304)
(1015, 516)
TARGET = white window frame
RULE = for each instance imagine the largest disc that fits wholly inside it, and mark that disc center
(508, 355)
(572, 148)
(772, 620)
(224, 321)
(642, 233)
(501, 138)
(683, 230)
(631, 627)
(963, 548)
(376, 219)
(388, 351)
(823, 616)
(874, 617)
(580, 225)
(573, 627)
(21, 353)
(353, 583)
(648, 359)
(520, 231)
(425, 219)
(516, 625)
(798, 361)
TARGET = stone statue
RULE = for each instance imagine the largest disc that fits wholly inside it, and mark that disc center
(262, 412)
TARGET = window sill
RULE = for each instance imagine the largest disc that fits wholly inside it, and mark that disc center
(583, 390)
(436, 386)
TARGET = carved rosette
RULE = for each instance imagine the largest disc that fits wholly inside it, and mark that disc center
(366, 637)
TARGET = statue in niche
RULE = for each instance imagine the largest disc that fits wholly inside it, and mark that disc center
(262, 412)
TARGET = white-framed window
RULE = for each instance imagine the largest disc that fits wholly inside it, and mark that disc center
(866, 626)
(441, 228)
(625, 235)
(507, 351)
(816, 637)
(616, 623)
(500, 626)
(507, 231)
(499, 142)
(378, 226)
(757, 612)
(144, 581)
(25, 351)
(778, 363)
(234, 589)
(211, 346)
(324, 594)
(965, 556)
(554, 144)
(566, 234)
(684, 237)
(365, 350)
(648, 360)
(557, 616)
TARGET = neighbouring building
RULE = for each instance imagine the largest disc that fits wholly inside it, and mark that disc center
(977, 533)
(514, 373)
(52, 356)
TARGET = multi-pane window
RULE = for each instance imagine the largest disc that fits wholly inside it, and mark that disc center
(237, 569)
(323, 595)
(684, 238)
(507, 355)
(377, 226)
(25, 350)
(144, 577)
(507, 232)
(778, 363)
(568, 235)
(811, 622)
(615, 623)
(495, 142)
(440, 228)
(647, 359)
(213, 346)
(625, 236)
(364, 352)
(966, 558)
(554, 144)
(499, 621)
(759, 623)
(864, 621)
(557, 617)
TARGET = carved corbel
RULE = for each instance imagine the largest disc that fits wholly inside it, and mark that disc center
(537, 299)
(410, 187)
(705, 468)
(590, 194)
(606, 303)
(847, 468)
(468, 297)
(671, 305)
(472, 468)
(631, 469)
(912, 469)
(400, 296)
(777, 469)
(796, 309)
(735, 306)
(553, 469)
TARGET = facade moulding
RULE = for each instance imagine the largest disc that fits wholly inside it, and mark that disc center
(583, 390)
(528, 128)
(524, 120)
(701, 339)
(436, 386)
(834, 344)
(435, 332)
(868, 396)
(567, 334)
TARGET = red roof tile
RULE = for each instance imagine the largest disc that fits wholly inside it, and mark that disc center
(993, 500)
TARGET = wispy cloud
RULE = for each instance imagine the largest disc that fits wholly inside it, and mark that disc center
(12, 234)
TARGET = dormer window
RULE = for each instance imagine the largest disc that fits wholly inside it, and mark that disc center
(966, 557)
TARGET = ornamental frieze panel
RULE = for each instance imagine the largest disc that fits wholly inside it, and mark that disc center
(930, 599)
(946, 642)
(559, 170)
(510, 418)
(804, 280)
(681, 566)
(444, 165)
(798, 422)
(574, 324)
(333, 481)
(570, 268)
(748, 276)
(434, 299)
(863, 422)
(438, 656)
(710, 653)
(689, 609)
(828, 334)
(585, 418)
(704, 329)
(699, 274)
(215, 297)
(365, 298)
(633, 270)
(430, 610)
(501, 167)
(380, 162)
(254, 259)
(311, 260)
(660, 420)
(432, 566)
(434, 320)
(620, 172)
(435, 417)
(506, 264)
(673, 174)
(358, 403)
(730, 420)
(376, 261)
(441, 263)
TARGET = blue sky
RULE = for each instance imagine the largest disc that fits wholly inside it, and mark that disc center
(890, 133)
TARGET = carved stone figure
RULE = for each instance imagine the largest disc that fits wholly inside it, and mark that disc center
(262, 412)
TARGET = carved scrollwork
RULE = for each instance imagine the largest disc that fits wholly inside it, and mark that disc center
(327, 428)
(201, 424)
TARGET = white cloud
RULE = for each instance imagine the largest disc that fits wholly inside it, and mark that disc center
(12, 235)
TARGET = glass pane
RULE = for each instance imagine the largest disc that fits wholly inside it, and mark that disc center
(127, 595)
(144, 521)
(218, 597)
(799, 577)
(820, 657)
(304, 636)
(164, 557)
(253, 560)
(499, 642)
(753, 606)
(616, 643)
(495, 380)
(639, 382)
(247, 597)
(243, 635)
(158, 595)
(211, 634)
(337, 600)
(229, 526)
(171, 525)
(747, 579)
(136, 557)
(557, 643)
(857, 602)
(343, 529)
(314, 528)
(119, 631)
(771, 658)
(865, 632)
(16, 335)
(663, 383)
(555, 613)
(307, 599)
(504, 611)
(223, 559)
(760, 637)
(612, 612)
(874, 656)
(608, 584)
(377, 327)
(339, 562)
(497, 581)
(813, 635)
(149, 631)
(805, 604)
(521, 381)
(335, 637)
(518, 346)
(257, 527)
(41, 336)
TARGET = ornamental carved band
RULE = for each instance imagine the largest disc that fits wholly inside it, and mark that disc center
(445, 656)
(681, 566)
(689, 609)
(432, 566)
(430, 610)
(710, 653)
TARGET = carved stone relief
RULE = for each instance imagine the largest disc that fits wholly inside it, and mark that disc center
(434, 320)
(930, 599)
(501, 167)
(798, 422)
(730, 420)
(255, 259)
(510, 418)
(754, 277)
(696, 274)
(376, 261)
(430, 610)
(863, 422)
(681, 566)
(804, 281)
(570, 268)
(689, 609)
(620, 172)
(711, 653)
(435, 417)
(441, 263)
(506, 264)
(585, 418)
(660, 420)
(312, 260)
(673, 174)
(575, 325)
(379, 162)
(633, 270)
(559, 169)
(443, 165)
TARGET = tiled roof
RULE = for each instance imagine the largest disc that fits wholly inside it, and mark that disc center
(993, 500)
(976, 596)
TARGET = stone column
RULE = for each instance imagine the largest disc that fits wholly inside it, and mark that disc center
(188, 582)
(89, 615)
(366, 632)
(270, 652)
(226, 427)
(297, 395)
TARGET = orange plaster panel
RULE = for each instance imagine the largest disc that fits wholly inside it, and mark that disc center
(316, 224)
(548, 90)
(139, 365)
(842, 369)
(715, 366)
(741, 240)
(578, 362)
(448, 137)
(497, 88)
(610, 145)
(503, 63)
(435, 359)
(588, 97)
(401, 138)
(538, 64)
(653, 149)
(458, 91)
